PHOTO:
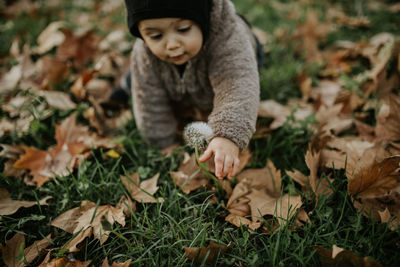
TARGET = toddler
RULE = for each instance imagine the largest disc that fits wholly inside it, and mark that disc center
(201, 54)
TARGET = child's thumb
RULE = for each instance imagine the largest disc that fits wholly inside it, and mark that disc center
(207, 154)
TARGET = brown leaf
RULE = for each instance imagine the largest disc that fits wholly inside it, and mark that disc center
(123, 264)
(388, 121)
(340, 257)
(13, 251)
(376, 179)
(50, 37)
(189, 177)
(144, 191)
(312, 182)
(80, 47)
(87, 220)
(9, 206)
(72, 141)
(309, 35)
(127, 205)
(78, 88)
(64, 262)
(54, 70)
(33, 251)
(239, 221)
(10, 79)
(268, 178)
(58, 100)
(209, 254)
(103, 124)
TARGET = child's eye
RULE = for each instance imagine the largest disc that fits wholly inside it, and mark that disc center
(184, 29)
(156, 36)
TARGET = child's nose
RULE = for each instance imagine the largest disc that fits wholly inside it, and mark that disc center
(173, 43)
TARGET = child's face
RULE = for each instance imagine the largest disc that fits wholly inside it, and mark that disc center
(173, 40)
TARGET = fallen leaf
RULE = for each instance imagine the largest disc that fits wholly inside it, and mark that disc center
(34, 250)
(9, 206)
(312, 183)
(282, 208)
(123, 264)
(388, 121)
(10, 80)
(376, 179)
(189, 177)
(13, 251)
(209, 254)
(54, 71)
(64, 262)
(80, 47)
(310, 33)
(72, 141)
(50, 37)
(268, 178)
(341, 257)
(141, 192)
(58, 100)
(87, 220)
(239, 221)
(78, 88)
(127, 205)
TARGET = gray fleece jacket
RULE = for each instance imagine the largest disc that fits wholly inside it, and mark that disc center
(222, 78)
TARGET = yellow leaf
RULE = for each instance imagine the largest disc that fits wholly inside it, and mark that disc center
(112, 154)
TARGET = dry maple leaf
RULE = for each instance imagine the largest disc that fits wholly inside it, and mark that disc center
(87, 220)
(208, 254)
(375, 180)
(189, 177)
(309, 35)
(54, 71)
(81, 47)
(312, 182)
(258, 193)
(72, 141)
(388, 121)
(144, 191)
(64, 262)
(282, 208)
(268, 178)
(15, 254)
(340, 257)
(50, 37)
(122, 264)
(9, 206)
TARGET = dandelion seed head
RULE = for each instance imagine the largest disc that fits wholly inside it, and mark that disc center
(197, 134)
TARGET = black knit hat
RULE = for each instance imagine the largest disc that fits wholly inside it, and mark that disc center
(195, 10)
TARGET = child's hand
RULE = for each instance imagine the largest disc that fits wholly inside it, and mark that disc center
(226, 157)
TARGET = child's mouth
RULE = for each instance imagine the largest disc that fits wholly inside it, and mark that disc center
(177, 58)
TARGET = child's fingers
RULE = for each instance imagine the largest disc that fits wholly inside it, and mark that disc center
(206, 155)
(227, 166)
(236, 163)
(219, 164)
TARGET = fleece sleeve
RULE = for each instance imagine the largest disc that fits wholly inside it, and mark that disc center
(234, 77)
(151, 106)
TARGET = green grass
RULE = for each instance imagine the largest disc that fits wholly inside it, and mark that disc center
(156, 233)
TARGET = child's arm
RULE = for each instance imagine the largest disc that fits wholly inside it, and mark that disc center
(226, 157)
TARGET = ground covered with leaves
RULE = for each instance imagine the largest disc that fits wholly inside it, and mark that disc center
(319, 184)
